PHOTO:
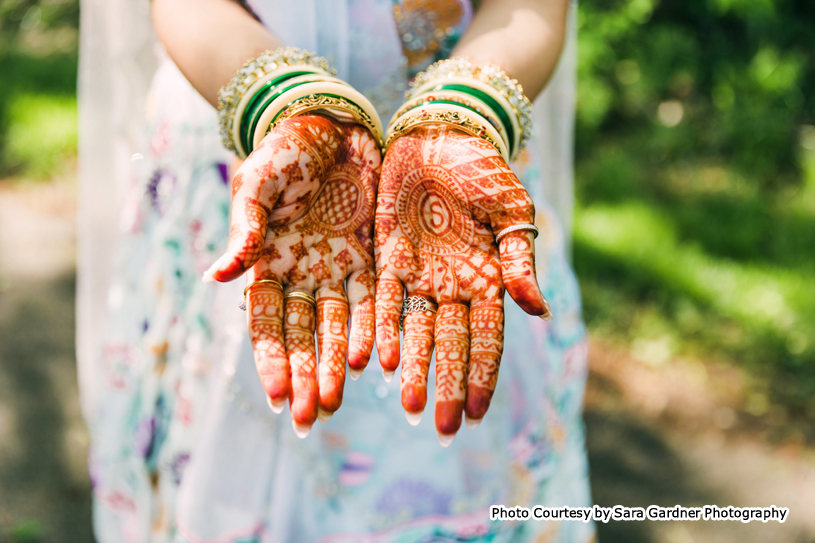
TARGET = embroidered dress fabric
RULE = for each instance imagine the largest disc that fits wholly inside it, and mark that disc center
(184, 447)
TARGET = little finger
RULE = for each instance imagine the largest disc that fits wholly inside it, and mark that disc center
(360, 287)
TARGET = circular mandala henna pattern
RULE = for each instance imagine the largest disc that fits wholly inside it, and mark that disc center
(342, 205)
(429, 205)
(442, 195)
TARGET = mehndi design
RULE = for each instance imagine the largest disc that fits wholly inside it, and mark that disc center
(303, 211)
(441, 197)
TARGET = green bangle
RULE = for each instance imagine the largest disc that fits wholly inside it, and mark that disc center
(490, 101)
(254, 102)
(247, 129)
(487, 78)
(233, 97)
(283, 110)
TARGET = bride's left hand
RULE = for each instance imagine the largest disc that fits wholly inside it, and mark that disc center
(443, 196)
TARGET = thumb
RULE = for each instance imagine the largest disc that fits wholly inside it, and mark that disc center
(518, 273)
(253, 198)
(517, 249)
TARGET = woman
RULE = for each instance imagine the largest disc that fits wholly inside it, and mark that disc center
(184, 446)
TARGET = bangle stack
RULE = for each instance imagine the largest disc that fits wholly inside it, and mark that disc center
(480, 100)
(279, 85)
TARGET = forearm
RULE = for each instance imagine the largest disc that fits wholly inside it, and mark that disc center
(523, 37)
(209, 40)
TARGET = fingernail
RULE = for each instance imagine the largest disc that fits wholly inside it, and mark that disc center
(414, 418)
(472, 424)
(547, 314)
(276, 406)
(445, 440)
(208, 276)
(302, 430)
(324, 415)
(354, 374)
(547, 317)
(388, 375)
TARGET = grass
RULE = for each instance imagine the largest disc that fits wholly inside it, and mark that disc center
(41, 134)
(692, 258)
(38, 119)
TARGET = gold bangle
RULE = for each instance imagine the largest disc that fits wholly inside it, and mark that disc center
(317, 88)
(450, 115)
(463, 99)
(479, 86)
(462, 69)
(321, 101)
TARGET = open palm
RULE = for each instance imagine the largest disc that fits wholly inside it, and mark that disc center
(442, 197)
(303, 211)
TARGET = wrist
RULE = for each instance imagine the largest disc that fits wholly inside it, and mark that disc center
(279, 85)
(479, 99)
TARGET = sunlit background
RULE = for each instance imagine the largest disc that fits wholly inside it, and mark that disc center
(694, 242)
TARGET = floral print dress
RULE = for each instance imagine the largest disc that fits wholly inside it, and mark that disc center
(184, 447)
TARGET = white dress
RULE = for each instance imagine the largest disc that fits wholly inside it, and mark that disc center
(184, 447)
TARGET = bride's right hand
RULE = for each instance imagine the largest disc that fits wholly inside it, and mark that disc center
(302, 219)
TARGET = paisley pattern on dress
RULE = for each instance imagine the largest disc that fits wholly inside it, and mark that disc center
(184, 446)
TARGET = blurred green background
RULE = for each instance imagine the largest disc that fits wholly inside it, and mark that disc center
(695, 222)
(38, 62)
(695, 226)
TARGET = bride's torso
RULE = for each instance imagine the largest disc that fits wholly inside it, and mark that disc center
(375, 45)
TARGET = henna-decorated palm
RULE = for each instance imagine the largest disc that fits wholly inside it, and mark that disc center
(442, 197)
(302, 215)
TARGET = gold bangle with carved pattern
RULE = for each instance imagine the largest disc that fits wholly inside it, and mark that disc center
(326, 101)
(422, 116)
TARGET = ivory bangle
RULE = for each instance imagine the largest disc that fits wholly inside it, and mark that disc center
(267, 62)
